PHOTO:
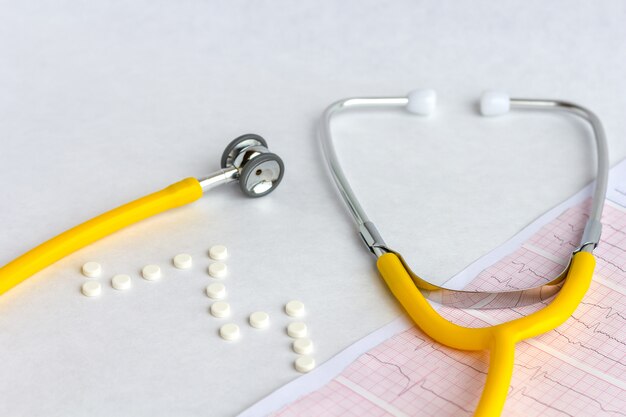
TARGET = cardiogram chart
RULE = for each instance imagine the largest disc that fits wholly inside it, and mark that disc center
(579, 369)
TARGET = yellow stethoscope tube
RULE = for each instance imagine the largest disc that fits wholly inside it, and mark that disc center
(176, 195)
(246, 160)
(499, 340)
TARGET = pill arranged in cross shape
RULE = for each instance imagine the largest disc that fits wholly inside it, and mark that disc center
(151, 272)
(218, 252)
(294, 308)
(220, 309)
(183, 261)
(218, 270)
(297, 329)
(91, 288)
(91, 269)
(216, 291)
(304, 364)
(303, 345)
(121, 282)
(230, 331)
(259, 320)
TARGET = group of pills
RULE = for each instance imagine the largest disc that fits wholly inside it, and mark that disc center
(299, 331)
(220, 308)
(217, 291)
(152, 272)
(94, 288)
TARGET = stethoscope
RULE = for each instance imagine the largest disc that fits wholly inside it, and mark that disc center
(412, 291)
(246, 160)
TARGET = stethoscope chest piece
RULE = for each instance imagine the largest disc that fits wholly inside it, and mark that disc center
(259, 170)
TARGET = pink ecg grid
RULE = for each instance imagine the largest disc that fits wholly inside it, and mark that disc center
(578, 369)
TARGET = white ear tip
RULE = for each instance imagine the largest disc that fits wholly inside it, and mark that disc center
(422, 101)
(494, 103)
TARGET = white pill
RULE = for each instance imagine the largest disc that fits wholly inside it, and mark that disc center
(305, 364)
(218, 252)
(218, 270)
(217, 291)
(303, 346)
(120, 282)
(294, 308)
(297, 329)
(91, 289)
(151, 272)
(259, 320)
(220, 309)
(92, 269)
(230, 331)
(183, 261)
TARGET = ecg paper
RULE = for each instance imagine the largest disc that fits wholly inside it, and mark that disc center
(578, 369)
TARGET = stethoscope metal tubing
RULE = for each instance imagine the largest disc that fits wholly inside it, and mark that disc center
(593, 228)
(467, 299)
(592, 231)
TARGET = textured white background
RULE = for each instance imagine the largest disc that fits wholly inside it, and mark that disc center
(102, 103)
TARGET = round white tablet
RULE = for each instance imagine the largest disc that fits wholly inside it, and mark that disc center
(217, 291)
(218, 270)
(183, 261)
(303, 346)
(220, 309)
(259, 319)
(121, 282)
(304, 364)
(297, 329)
(294, 308)
(92, 269)
(218, 252)
(91, 288)
(230, 331)
(151, 272)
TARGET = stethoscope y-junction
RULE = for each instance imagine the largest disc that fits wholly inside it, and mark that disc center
(568, 288)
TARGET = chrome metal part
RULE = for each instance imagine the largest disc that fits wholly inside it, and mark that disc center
(487, 300)
(247, 160)
(223, 176)
(468, 299)
(372, 238)
(591, 237)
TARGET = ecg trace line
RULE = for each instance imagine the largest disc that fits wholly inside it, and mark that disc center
(539, 372)
(582, 345)
(563, 241)
(616, 266)
(398, 368)
(595, 329)
(613, 246)
(612, 312)
(615, 229)
(421, 383)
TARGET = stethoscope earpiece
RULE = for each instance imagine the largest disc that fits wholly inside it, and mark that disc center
(494, 103)
(423, 102)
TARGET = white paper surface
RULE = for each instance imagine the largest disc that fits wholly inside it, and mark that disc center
(103, 103)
